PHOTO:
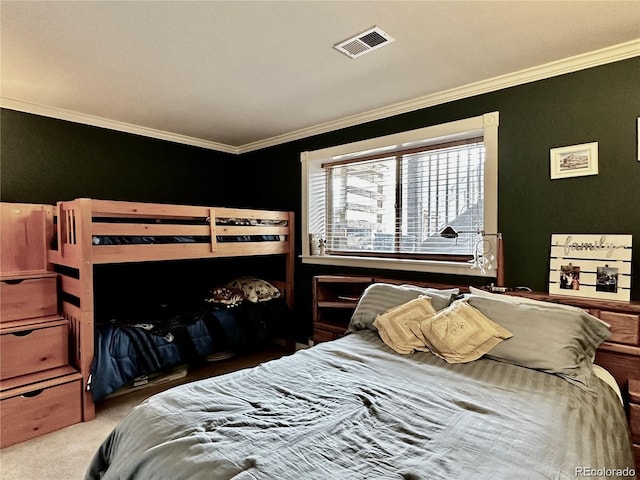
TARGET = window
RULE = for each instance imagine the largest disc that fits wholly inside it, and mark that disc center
(398, 204)
(418, 200)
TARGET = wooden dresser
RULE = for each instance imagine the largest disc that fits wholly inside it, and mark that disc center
(620, 354)
(335, 298)
(39, 391)
(634, 419)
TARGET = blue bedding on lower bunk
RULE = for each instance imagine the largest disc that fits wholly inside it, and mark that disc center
(126, 349)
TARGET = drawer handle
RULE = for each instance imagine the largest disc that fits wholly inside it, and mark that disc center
(13, 282)
(35, 393)
(24, 333)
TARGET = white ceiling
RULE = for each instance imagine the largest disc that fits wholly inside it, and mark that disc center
(240, 75)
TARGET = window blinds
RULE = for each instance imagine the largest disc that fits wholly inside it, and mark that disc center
(398, 203)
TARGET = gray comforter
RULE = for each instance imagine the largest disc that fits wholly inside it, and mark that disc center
(354, 409)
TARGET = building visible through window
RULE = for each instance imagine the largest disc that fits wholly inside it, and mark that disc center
(399, 204)
(423, 200)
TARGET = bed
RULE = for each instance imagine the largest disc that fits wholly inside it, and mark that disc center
(90, 232)
(356, 408)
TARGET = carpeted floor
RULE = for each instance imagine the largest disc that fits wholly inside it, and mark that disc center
(65, 454)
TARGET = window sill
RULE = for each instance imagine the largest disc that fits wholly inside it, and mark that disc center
(452, 268)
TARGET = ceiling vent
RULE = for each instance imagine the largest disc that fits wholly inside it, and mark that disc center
(364, 43)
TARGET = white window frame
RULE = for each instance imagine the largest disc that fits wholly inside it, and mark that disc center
(485, 126)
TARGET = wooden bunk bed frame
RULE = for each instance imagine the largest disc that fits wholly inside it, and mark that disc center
(76, 223)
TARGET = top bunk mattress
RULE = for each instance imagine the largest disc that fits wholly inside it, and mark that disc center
(167, 239)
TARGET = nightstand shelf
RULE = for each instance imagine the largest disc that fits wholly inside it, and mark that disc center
(338, 304)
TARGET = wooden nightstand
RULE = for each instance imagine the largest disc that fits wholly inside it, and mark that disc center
(334, 299)
(634, 419)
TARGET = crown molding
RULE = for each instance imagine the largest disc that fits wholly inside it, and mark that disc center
(611, 54)
(596, 58)
(77, 117)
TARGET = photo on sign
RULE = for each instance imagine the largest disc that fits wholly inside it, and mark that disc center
(607, 279)
(570, 277)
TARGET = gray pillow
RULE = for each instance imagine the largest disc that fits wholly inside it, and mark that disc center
(440, 299)
(561, 341)
(380, 297)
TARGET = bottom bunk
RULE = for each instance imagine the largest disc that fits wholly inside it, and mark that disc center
(140, 342)
(129, 352)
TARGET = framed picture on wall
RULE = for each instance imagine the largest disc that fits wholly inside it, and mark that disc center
(638, 136)
(574, 160)
(591, 266)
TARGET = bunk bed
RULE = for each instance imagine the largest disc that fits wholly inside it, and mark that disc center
(89, 232)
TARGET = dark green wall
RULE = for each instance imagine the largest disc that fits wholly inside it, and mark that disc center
(599, 104)
(45, 160)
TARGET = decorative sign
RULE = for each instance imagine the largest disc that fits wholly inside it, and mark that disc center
(592, 266)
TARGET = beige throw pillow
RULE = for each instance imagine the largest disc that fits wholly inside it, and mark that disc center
(460, 333)
(394, 325)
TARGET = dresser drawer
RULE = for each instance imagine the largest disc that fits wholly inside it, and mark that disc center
(620, 362)
(625, 327)
(42, 408)
(320, 335)
(28, 298)
(634, 422)
(32, 348)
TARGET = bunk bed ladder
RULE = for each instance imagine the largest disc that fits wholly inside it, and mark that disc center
(76, 281)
